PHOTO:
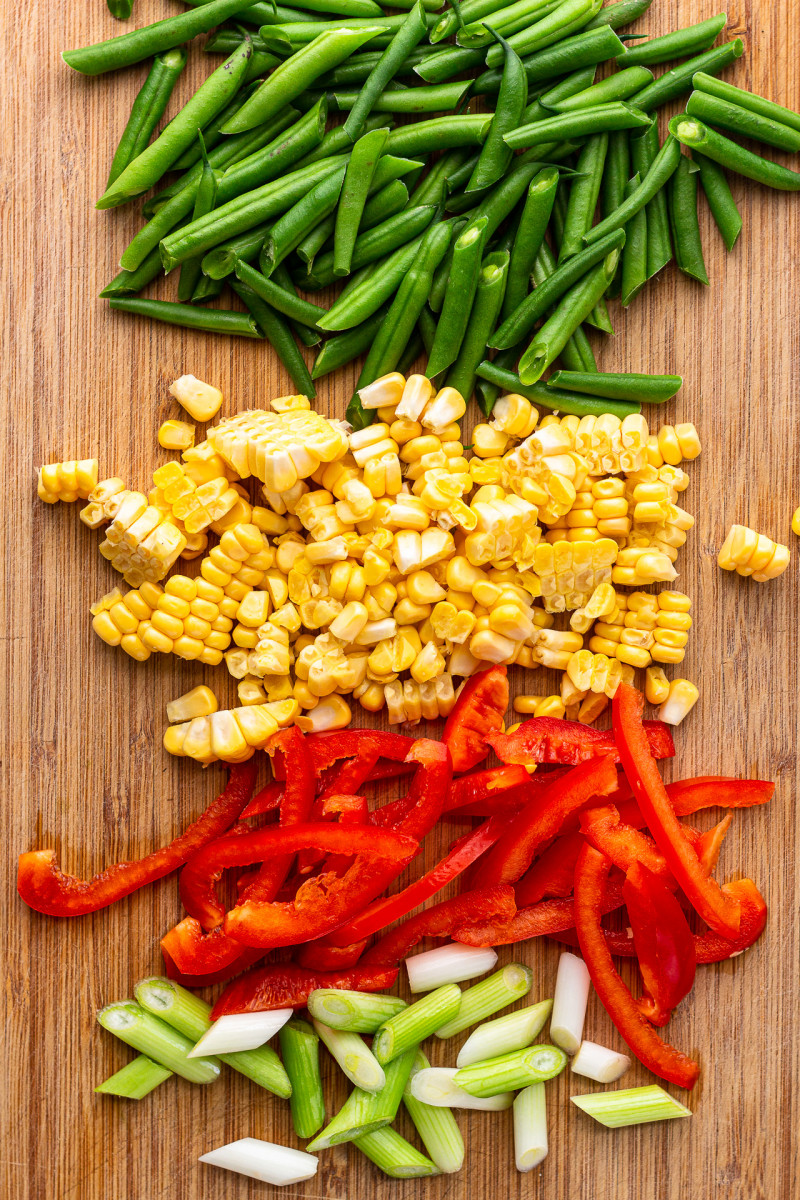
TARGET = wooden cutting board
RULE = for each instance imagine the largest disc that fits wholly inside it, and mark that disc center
(83, 768)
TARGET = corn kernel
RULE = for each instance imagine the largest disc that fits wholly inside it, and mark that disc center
(681, 699)
(384, 392)
(331, 713)
(201, 400)
(199, 702)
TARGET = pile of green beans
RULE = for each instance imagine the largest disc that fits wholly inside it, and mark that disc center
(486, 195)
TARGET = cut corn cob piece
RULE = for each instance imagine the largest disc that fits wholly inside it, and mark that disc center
(67, 481)
(278, 448)
(751, 553)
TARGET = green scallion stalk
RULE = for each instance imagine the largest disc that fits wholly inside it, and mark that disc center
(355, 1012)
(415, 1023)
(364, 1112)
(530, 1127)
(300, 1050)
(512, 1071)
(135, 1080)
(631, 1106)
(512, 1032)
(159, 1041)
(394, 1155)
(437, 1127)
(487, 997)
(191, 1016)
(354, 1056)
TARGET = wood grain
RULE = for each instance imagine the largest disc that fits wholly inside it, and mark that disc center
(83, 769)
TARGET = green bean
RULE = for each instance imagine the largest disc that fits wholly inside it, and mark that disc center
(712, 110)
(684, 42)
(386, 203)
(414, 350)
(644, 149)
(289, 304)
(586, 121)
(542, 394)
(207, 289)
(336, 141)
(462, 281)
(378, 242)
(398, 326)
(340, 350)
(211, 135)
(503, 198)
(486, 392)
(577, 349)
(692, 133)
(674, 83)
(495, 156)
(505, 240)
(616, 16)
(583, 195)
(204, 202)
(446, 63)
(684, 223)
(358, 67)
(540, 108)
(442, 272)
(426, 324)
(634, 255)
(585, 49)
(664, 164)
(221, 41)
(139, 44)
(282, 152)
(439, 180)
(220, 262)
(121, 9)
(470, 10)
(210, 320)
(573, 308)
(529, 237)
(612, 190)
(357, 181)
(128, 283)
(577, 354)
(296, 74)
(757, 104)
(366, 297)
(267, 13)
(481, 323)
(290, 228)
(292, 37)
(440, 97)
(148, 167)
(279, 336)
(717, 191)
(638, 389)
(440, 133)
(619, 86)
(568, 18)
(148, 108)
(308, 335)
(409, 35)
(506, 21)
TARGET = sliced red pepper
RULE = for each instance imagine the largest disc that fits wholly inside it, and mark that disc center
(709, 844)
(545, 918)
(351, 810)
(296, 805)
(328, 748)
(45, 887)
(487, 904)
(719, 911)
(289, 986)
(247, 959)
(195, 952)
(478, 713)
(487, 785)
(710, 791)
(266, 801)
(543, 818)
(663, 941)
(554, 740)
(417, 813)
(319, 956)
(591, 876)
(553, 874)
(623, 844)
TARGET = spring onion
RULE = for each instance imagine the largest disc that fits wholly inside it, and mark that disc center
(418, 1021)
(355, 1012)
(530, 1127)
(157, 1040)
(265, 1161)
(511, 1071)
(364, 1112)
(394, 1155)
(599, 1063)
(512, 1032)
(437, 1086)
(436, 1126)
(241, 1031)
(136, 1079)
(448, 964)
(489, 996)
(631, 1106)
(354, 1057)
(569, 1003)
(300, 1050)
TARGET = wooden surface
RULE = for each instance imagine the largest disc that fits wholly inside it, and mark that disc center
(83, 768)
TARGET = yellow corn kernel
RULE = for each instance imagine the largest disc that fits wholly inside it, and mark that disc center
(667, 654)
(417, 392)
(592, 707)
(688, 441)
(250, 690)
(796, 521)
(751, 553)
(488, 470)
(656, 685)
(286, 404)
(254, 609)
(450, 624)
(634, 656)
(429, 663)
(385, 392)
(526, 705)
(682, 697)
(174, 738)
(406, 612)
(376, 631)
(512, 621)
(201, 400)
(489, 646)
(550, 706)
(408, 512)
(350, 621)
(176, 435)
(514, 415)
(331, 713)
(255, 723)
(199, 702)
(488, 442)
(370, 696)
(422, 588)
(447, 406)
(303, 694)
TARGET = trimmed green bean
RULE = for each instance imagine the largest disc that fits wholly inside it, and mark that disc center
(359, 304)
(644, 150)
(620, 86)
(386, 203)
(290, 228)
(616, 16)
(121, 9)
(529, 237)
(128, 283)
(204, 202)
(267, 13)
(674, 83)
(664, 164)
(357, 68)
(470, 10)
(357, 181)
(585, 49)
(681, 44)
(481, 323)
(409, 35)
(340, 350)
(508, 20)
(279, 335)
(139, 44)
(220, 262)
(148, 167)
(426, 324)
(684, 223)
(437, 98)
(577, 354)
(446, 63)
(495, 156)
(440, 133)
(378, 242)
(757, 104)
(462, 282)
(569, 17)
(289, 304)
(304, 333)
(583, 194)
(439, 287)
(207, 289)
(550, 397)
(612, 190)
(211, 136)
(148, 109)
(504, 197)
(272, 159)
(636, 388)
(541, 108)
(209, 320)
(634, 254)
(414, 350)
(579, 124)
(713, 110)
(293, 36)
(436, 185)
(717, 192)
(692, 133)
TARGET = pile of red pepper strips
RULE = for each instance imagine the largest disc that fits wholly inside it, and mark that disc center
(595, 830)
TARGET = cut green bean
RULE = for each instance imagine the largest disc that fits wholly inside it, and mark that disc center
(599, 119)
(355, 1058)
(634, 253)
(583, 195)
(684, 223)
(442, 273)
(293, 36)
(438, 182)
(409, 35)
(758, 104)
(585, 49)
(393, 1155)
(357, 69)
(565, 402)
(358, 178)
(129, 283)
(336, 141)
(504, 197)
(121, 9)
(644, 150)
(378, 242)
(692, 133)
(529, 237)
(364, 1112)
(130, 1023)
(307, 334)
(620, 86)
(499, 990)
(495, 156)
(440, 97)
(290, 228)
(358, 305)
(470, 10)
(462, 282)
(356, 1012)
(300, 1049)
(734, 118)
(414, 350)
(279, 335)
(449, 61)
(340, 350)
(440, 133)
(387, 202)
(207, 289)
(576, 81)
(211, 136)
(674, 83)
(437, 1127)
(664, 165)
(612, 190)
(515, 1031)
(617, 16)
(639, 389)
(287, 303)
(717, 192)
(135, 1080)
(266, 13)
(684, 42)
(509, 1072)
(569, 17)
(577, 354)
(207, 320)
(507, 20)
(487, 391)
(204, 202)
(426, 324)
(283, 151)
(148, 109)
(408, 1028)
(220, 262)
(481, 323)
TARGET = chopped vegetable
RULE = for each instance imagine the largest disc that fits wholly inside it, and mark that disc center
(499, 990)
(409, 1027)
(265, 1161)
(354, 1057)
(631, 1106)
(435, 1125)
(511, 1071)
(599, 1063)
(530, 1127)
(437, 1086)
(447, 964)
(505, 1034)
(300, 1050)
(569, 1003)
(241, 1031)
(136, 1079)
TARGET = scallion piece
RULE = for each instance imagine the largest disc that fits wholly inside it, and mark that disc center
(437, 1086)
(511, 1071)
(489, 996)
(354, 1057)
(265, 1161)
(599, 1063)
(159, 1041)
(512, 1032)
(436, 1126)
(355, 1012)
(569, 1002)
(530, 1127)
(241, 1031)
(364, 1112)
(448, 964)
(136, 1079)
(631, 1106)
(394, 1155)
(411, 1026)
(300, 1050)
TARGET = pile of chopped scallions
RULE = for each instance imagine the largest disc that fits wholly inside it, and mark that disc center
(500, 1065)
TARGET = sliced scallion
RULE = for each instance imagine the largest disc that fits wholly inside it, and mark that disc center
(489, 996)
(355, 1012)
(631, 1106)
(354, 1057)
(599, 1063)
(411, 1026)
(437, 1086)
(265, 1161)
(136, 1079)
(448, 964)
(363, 1112)
(300, 1050)
(515, 1031)
(530, 1127)
(241, 1031)
(512, 1071)
(569, 1002)
(394, 1155)
(436, 1126)
(159, 1041)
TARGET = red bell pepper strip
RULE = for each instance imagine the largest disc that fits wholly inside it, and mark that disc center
(321, 904)
(663, 941)
(709, 844)
(553, 874)
(719, 911)
(419, 811)
(328, 748)
(543, 919)
(287, 986)
(351, 810)
(248, 959)
(439, 921)
(44, 887)
(296, 805)
(266, 801)
(710, 791)
(478, 713)
(622, 843)
(541, 820)
(487, 785)
(554, 740)
(319, 956)
(197, 953)
(591, 875)
(462, 854)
